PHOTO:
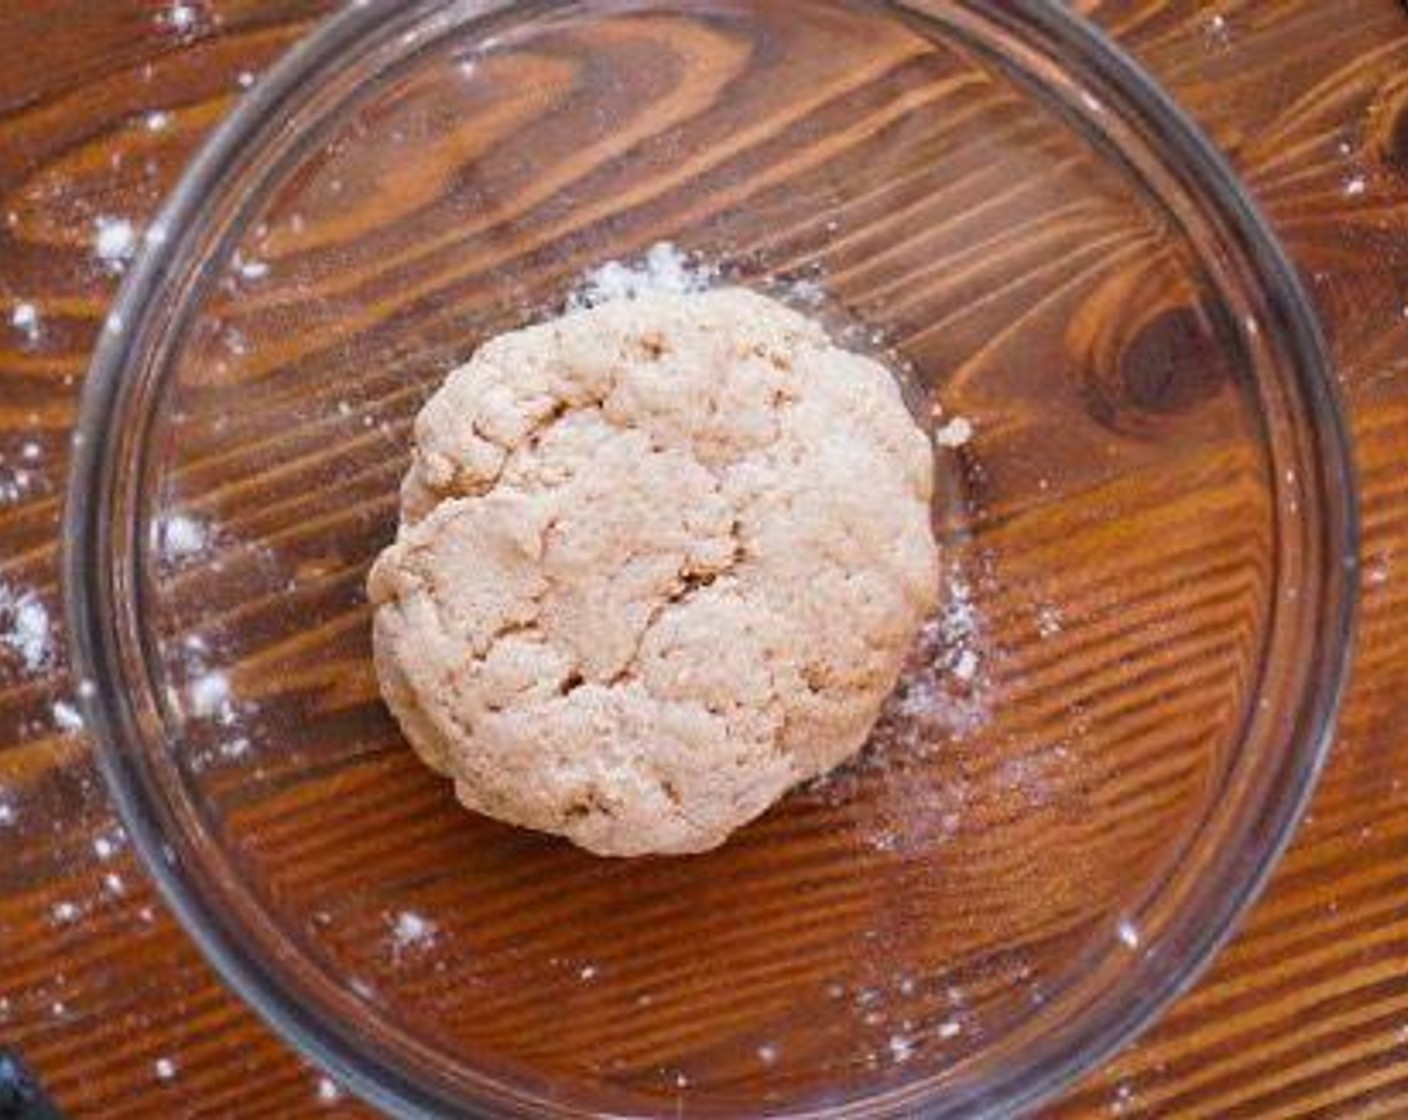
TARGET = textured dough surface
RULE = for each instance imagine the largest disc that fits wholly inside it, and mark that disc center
(659, 561)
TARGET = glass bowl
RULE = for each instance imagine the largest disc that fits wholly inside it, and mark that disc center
(1103, 741)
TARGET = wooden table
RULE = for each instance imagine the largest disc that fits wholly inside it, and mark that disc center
(103, 101)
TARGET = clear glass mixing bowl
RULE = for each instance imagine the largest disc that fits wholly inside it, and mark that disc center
(1099, 750)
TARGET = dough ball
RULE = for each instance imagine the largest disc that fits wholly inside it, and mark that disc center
(659, 561)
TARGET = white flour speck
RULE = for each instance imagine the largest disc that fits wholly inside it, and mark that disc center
(1048, 621)
(24, 628)
(587, 972)
(114, 883)
(115, 242)
(767, 1054)
(164, 1068)
(8, 816)
(210, 693)
(245, 79)
(64, 912)
(411, 931)
(104, 848)
(950, 1029)
(251, 269)
(362, 988)
(806, 292)
(956, 433)
(901, 1048)
(944, 687)
(16, 484)
(1128, 934)
(25, 319)
(965, 667)
(66, 717)
(158, 120)
(328, 1092)
(182, 536)
(664, 268)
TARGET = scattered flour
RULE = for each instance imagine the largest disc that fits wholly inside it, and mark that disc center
(943, 689)
(807, 292)
(1128, 933)
(115, 242)
(1049, 622)
(664, 268)
(328, 1092)
(64, 912)
(24, 628)
(25, 319)
(158, 120)
(411, 931)
(16, 484)
(164, 1068)
(250, 269)
(767, 1054)
(210, 694)
(8, 816)
(184, 19)
(956, 433)
(901, 1048)
(183, 536)
(1217, 30)
(66, 717)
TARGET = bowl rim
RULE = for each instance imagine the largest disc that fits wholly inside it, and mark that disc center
(86, 529)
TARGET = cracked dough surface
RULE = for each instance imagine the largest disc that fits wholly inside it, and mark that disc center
(659, 561)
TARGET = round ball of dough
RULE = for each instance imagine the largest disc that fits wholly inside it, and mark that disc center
(659, 561)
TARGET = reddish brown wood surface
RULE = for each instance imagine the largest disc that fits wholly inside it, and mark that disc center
(1305, 1015)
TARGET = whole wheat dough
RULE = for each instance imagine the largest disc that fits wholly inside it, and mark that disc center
(659, 561)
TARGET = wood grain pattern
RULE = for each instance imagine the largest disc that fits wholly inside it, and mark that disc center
(1304, 1015)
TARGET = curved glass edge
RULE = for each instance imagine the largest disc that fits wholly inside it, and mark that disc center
(88, 533)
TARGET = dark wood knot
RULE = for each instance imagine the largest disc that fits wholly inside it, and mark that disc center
(1147, 349)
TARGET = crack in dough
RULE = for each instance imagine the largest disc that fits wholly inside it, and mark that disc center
(659, 562)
